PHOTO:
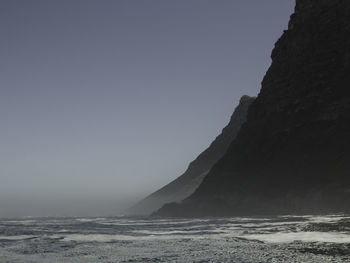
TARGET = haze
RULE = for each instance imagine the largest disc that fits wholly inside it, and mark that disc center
(103, 102)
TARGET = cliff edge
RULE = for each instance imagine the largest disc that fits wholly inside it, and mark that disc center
(293, 153)
(187, 183)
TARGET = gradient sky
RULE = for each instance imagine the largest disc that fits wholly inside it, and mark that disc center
(103, 102)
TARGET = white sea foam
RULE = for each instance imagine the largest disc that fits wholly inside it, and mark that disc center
(327, 219)
(122, 239)
(110, 238)
(156, 232)
(83, 220)
(21, 222)
(327, 237)
(19, 237)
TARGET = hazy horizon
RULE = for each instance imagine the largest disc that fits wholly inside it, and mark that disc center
(104, 102)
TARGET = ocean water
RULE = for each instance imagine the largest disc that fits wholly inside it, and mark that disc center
(256, 240)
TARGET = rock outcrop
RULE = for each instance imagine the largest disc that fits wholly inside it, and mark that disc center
(186, 184)
(293, 153)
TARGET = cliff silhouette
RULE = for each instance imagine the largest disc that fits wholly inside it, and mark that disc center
(292, 155)
(187, 183)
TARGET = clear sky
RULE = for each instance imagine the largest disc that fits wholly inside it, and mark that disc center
(103, 102)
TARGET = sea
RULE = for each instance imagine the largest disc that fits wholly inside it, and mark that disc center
(301, 239)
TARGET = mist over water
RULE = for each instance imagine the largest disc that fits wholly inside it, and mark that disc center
(63, 206)
(104, 102)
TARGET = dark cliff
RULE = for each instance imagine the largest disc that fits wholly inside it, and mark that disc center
(293, 153)
(187, 183)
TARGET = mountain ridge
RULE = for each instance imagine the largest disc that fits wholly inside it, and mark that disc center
(184, 185)
(292, 155)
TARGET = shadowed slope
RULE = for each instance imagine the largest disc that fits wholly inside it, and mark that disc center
(293, 153)
(187, 183)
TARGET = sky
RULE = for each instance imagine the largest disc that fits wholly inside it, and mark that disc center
(102, 102)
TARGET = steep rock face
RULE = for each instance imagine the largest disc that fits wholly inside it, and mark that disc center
(293, 153)
(187, 183)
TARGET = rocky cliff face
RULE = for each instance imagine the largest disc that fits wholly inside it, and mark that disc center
(293, 153)
(187, 183)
